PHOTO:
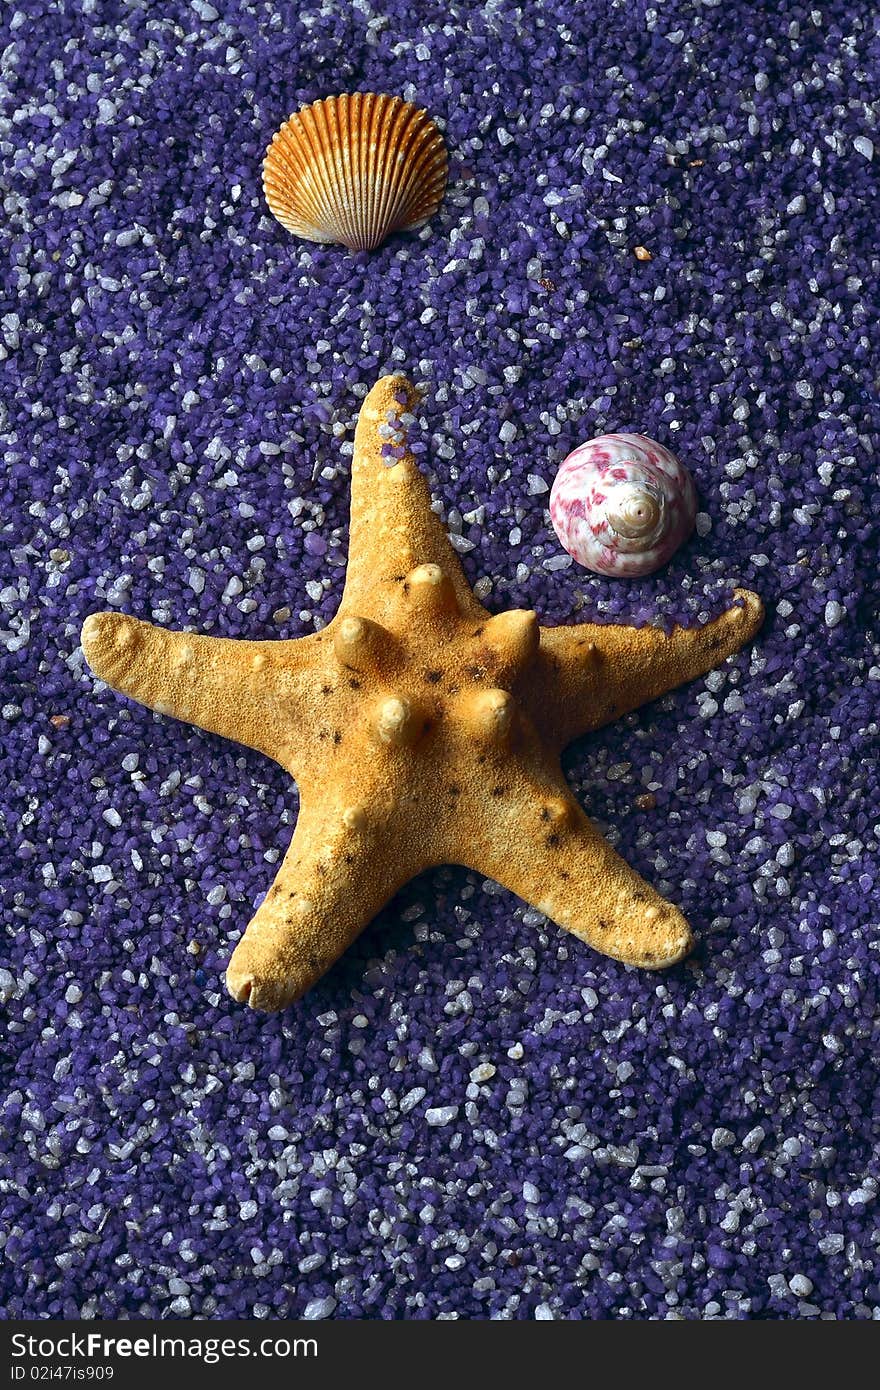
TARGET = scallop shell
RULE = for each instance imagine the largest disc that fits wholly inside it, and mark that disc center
(354, 169)
(621, 504)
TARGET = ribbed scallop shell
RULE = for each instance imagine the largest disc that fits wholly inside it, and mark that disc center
(355, 168)
(622, 504)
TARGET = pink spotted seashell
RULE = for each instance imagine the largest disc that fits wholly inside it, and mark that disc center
(621, 504)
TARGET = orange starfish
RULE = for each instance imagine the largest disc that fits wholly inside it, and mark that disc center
(421, 730)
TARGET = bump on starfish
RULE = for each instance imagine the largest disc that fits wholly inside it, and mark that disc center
(421, 730)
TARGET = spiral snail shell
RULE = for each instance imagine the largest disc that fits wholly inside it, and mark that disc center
(621, 505)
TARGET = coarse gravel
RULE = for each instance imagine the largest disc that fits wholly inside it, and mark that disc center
(472, 1115)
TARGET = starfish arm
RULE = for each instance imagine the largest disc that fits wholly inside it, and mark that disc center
(240, 690)
(590, 674)
(393, 528)
(550, 854)
(337, 874)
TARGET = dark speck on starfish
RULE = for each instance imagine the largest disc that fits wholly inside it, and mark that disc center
(552, 841)
(433, 677)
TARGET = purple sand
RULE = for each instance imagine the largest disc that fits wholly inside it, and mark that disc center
(472, 1115)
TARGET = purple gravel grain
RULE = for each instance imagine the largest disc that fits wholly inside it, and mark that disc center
(472, 1115)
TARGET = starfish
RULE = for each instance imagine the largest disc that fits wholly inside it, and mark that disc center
(421, 730)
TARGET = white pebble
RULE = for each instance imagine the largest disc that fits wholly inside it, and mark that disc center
(531, 1193)
(558, 562)
(318, 1308)
(862, 1195)
(7, 985)
(507, 433)
(441, 1114)
(832, 1244)
(484, 1072)
(754, 1139)
(537, 485)
(461, 544)
(412, 1098)
(833, 613)
(801, 1286)
(864, 146)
